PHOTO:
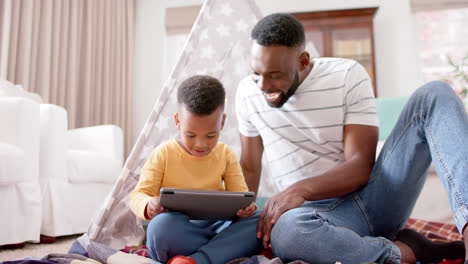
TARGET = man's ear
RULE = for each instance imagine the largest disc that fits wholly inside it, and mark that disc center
(176, 119)
(222, 121)
(304, 60)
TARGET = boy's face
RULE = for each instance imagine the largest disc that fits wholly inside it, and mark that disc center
(199, 134)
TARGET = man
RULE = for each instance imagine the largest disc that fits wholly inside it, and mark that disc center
(316, 122)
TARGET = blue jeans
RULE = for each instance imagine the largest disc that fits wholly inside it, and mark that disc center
(360, 227)
(170, 234)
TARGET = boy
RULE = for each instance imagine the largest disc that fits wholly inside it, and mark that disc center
(195, 160)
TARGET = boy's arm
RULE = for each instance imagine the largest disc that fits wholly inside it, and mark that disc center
(233, 178)
(149, 183)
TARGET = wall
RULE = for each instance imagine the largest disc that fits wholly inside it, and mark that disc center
(149, 50)
(398, 65)
(397, 62)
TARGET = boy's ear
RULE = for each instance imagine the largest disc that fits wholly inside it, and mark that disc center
(222, 121)
(176, 119)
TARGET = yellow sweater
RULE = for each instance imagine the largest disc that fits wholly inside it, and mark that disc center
(170, 166)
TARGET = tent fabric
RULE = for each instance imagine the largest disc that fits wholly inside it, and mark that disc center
(217, 46)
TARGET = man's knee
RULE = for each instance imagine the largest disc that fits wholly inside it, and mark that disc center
(435, 88)
(290, 231)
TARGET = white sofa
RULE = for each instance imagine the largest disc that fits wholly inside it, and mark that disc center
(75, 168)
(20, 194)
(78, 168)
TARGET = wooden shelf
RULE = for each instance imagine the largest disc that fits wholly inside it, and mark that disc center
(343, 33)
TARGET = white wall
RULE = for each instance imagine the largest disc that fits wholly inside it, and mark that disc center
(149, 50)
(397, 62)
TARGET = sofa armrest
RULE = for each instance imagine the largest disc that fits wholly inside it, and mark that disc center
(20, 119)
(52, 157)
(20, 126)
(104, 139)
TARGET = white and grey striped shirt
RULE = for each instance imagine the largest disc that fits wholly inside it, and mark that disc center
(304, 138)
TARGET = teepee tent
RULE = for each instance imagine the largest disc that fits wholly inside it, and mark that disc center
(217, 46)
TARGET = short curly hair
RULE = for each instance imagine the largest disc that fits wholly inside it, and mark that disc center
(279, 29)
(201, 94)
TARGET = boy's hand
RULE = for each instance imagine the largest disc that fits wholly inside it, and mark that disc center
(153, 208)
(248, 211)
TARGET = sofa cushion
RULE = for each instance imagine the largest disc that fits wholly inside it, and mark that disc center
(12, 164)
(90, 167)
(9, 89)
(388, 111)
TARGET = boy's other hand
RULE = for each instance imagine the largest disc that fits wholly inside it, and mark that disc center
(153, 208)
(248, 211)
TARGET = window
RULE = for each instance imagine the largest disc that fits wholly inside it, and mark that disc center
(443, 34)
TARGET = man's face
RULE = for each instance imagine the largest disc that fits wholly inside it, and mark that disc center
(199, 134)
(275, 70)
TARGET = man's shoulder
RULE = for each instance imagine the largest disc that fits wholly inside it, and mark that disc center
(332, 70)
(328, 63)
(247, 95)
(247, 87)
(247, 80)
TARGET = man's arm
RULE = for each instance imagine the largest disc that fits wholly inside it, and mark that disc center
(359, 150)
(251, 160)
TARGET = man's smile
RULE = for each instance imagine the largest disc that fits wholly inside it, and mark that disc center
(271, 97)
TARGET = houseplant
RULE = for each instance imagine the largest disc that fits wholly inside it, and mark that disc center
(458, 77)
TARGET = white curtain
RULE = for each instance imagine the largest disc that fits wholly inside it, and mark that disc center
(74, 53)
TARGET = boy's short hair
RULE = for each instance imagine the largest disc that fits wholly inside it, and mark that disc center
(201, 94)
(279, 29)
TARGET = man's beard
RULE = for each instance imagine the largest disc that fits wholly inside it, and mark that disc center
(292, 89)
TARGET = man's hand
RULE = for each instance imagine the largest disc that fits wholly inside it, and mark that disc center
(153, 208)
(274, 208)
(248, 211)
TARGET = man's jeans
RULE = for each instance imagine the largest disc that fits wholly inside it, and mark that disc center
(359, 227)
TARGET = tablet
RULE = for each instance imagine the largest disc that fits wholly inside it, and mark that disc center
(206, 205)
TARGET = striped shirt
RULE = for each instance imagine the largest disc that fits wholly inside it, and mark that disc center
(304, 138)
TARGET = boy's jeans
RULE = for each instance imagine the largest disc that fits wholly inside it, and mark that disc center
(170, 234)
(359, 227)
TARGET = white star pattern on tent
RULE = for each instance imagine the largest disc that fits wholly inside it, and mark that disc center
(226, 9)
(223, 30)
(218, 67)
(208, 52)
(241, 25)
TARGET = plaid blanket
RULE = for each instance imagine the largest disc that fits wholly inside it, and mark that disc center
(84, 251)
(438, 232)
